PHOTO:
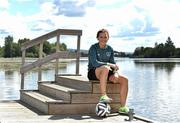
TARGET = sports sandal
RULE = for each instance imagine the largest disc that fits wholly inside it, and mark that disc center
(124, 109)
(105, 99)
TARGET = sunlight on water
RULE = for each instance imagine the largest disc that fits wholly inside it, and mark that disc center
(154, 88)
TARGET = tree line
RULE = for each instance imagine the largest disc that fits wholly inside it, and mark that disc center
(13, 49)
(166, 50)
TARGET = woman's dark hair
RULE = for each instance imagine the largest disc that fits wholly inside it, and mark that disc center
(102, 31)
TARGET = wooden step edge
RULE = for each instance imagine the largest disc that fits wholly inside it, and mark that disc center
(80, 78)
(59, 102)
(75, 78)
(64, 88)
(69, 75)
(43, 98)
(39, 82)
(97, 81)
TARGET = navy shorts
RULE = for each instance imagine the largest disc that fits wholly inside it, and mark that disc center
(92, 74)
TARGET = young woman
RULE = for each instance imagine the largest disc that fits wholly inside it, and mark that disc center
(102, 67)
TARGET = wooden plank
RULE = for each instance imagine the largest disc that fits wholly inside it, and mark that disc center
(92, 98)
(22, 74)
(57, 50)
(74, 82)
(110, 88)
(27, 115)
(70, 32)
(34, 102)
(77, 108)
(55, 91)
(62, 54)
(74, 77)
(40, 57)
(78, 55)
(50, 35)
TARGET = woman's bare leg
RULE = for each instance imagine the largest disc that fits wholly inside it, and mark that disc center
(102, 75)
(123, 87)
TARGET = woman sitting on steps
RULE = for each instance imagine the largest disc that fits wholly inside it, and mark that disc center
(102, 67)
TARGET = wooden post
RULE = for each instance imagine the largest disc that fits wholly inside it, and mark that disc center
(22, 74)
(78, 54)
(57, 50)
(40, 57)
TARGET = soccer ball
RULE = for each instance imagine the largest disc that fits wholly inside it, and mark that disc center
(102, 109)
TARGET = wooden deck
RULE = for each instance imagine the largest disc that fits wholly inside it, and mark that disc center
(67, 99)
(18, 112)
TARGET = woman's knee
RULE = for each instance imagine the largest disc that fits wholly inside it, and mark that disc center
(123, 80)
(104, 69)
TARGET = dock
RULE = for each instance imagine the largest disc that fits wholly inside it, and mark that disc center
(69, 98)
(18, 112)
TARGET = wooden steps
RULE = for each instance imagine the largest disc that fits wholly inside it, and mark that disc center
(57, 91)
(77, 82)
(69, 95)
(38, 100)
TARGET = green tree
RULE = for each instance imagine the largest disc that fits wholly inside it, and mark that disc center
(169, 48)
(21, 41)
(30, 52)
(159, 51)
(8, 47)
(148, 52)
(138, 52)
(1, 51)
(177, 53)
(63, 47)
(16, 50)
(47, 47)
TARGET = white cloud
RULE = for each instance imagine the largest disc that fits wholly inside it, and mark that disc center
(13, 25)
(23, 0)
(47, 8)
(4, 4)
(145, 22)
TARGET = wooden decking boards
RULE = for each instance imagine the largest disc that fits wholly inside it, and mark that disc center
(19, 112)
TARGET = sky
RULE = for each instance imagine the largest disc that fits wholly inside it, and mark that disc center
(131, 23)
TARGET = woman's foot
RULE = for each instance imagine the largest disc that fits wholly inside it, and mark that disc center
(105, 99)
(123, 109)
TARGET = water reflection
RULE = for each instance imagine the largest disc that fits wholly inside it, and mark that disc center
(167, 66)
(159, 88)
(9, 73)
(9, 84)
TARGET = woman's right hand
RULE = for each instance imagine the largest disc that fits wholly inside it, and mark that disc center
(114, 66)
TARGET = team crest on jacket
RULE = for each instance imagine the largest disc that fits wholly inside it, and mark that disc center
(108, 54)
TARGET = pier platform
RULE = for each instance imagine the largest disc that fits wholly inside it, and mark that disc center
(18, 112)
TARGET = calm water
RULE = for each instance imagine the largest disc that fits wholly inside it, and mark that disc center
(154, 88)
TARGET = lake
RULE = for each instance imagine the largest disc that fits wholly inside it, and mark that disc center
(154, 85)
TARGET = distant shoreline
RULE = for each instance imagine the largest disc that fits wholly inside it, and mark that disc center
(19, 60)
(15, 63)
(156, 60)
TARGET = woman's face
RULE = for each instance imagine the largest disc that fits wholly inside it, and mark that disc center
(103, 38)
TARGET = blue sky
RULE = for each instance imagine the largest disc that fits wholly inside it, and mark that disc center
(131, 23)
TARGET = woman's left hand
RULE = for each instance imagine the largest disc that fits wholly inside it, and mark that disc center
(116, 67)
